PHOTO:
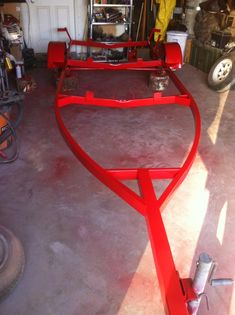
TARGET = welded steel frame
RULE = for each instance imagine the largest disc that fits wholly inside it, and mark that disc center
(175, 292)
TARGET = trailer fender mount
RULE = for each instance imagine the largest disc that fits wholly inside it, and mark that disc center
(173, 55)
(56, 55)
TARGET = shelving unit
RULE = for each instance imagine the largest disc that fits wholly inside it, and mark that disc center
(110, 23)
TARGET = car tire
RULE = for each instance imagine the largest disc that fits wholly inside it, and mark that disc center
(12, 261)
(221, 76)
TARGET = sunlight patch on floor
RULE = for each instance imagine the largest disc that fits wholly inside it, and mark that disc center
(222, 223)
(214, 127)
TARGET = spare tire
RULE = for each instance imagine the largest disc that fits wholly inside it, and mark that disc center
(12, 261)
(222, 75)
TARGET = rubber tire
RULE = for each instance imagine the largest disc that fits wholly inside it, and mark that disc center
(12, 261)
(228, 82)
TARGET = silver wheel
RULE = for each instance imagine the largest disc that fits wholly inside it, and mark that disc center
(222, 70)
(221, 76)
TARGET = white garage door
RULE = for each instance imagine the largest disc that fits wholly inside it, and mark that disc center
(42, 18)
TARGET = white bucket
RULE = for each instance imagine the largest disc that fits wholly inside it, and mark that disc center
(177, 37)
(193, 3)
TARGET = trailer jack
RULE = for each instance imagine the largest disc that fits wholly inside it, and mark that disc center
(204, 274)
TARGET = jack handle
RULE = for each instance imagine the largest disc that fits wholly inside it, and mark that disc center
(153, 31)
(64, 29)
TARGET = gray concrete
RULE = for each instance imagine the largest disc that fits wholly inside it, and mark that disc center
(87, 251)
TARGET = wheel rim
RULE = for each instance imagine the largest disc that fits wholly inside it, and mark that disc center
(222, 70)
(4, 251)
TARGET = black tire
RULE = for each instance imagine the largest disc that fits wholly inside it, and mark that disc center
(12, 261)
(222, 75)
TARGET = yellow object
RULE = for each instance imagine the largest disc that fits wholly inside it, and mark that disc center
(164, 14)
(9, 65)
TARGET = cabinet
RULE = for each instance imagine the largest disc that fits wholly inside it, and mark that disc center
(110, 21)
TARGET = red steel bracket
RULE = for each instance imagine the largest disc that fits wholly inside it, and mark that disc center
(56, 55)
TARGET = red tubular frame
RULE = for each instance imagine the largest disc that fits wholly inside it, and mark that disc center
(176, 292)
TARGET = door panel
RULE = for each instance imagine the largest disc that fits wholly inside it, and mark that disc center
(62, 17)
(44, 26)
(44, 17)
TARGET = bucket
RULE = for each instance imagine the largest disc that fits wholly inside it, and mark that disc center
(178, 37)
(193, 4)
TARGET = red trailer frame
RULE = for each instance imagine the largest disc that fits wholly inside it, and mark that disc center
(176, 292)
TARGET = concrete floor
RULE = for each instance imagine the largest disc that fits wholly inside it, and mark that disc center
(87, 251)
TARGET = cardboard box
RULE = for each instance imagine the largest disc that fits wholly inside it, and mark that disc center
(16, 51)
(232, 15)
(232, 30)
(188, 49)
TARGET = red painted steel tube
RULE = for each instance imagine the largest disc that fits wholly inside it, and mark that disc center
(128, 174)
(88, 99)
(169, 281)
(91, 43)
(91, 64)
(173, 288)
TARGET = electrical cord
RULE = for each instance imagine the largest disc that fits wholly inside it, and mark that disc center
(12, 105)
(20, 114)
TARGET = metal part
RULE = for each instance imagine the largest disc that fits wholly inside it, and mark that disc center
(127, 21)
(222, 70)
(59, 57)
(221, 282)
(203, 272)
(176, 292)
(173, 53)
(158, 80)
(56, 55)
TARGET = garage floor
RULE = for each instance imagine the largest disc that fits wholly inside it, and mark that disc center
(87, 251)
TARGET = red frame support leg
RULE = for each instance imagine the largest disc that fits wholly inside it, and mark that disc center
(170, 284)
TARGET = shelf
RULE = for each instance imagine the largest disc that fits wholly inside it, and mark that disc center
(110, 23)
(105, 12)
(112, 5)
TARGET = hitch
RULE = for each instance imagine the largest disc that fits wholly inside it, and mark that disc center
(204, 272)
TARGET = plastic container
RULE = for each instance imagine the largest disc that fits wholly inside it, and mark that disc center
(18, 71)
(193, 3)
(177, 37)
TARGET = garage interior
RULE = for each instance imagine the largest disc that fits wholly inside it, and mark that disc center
(86, 250)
